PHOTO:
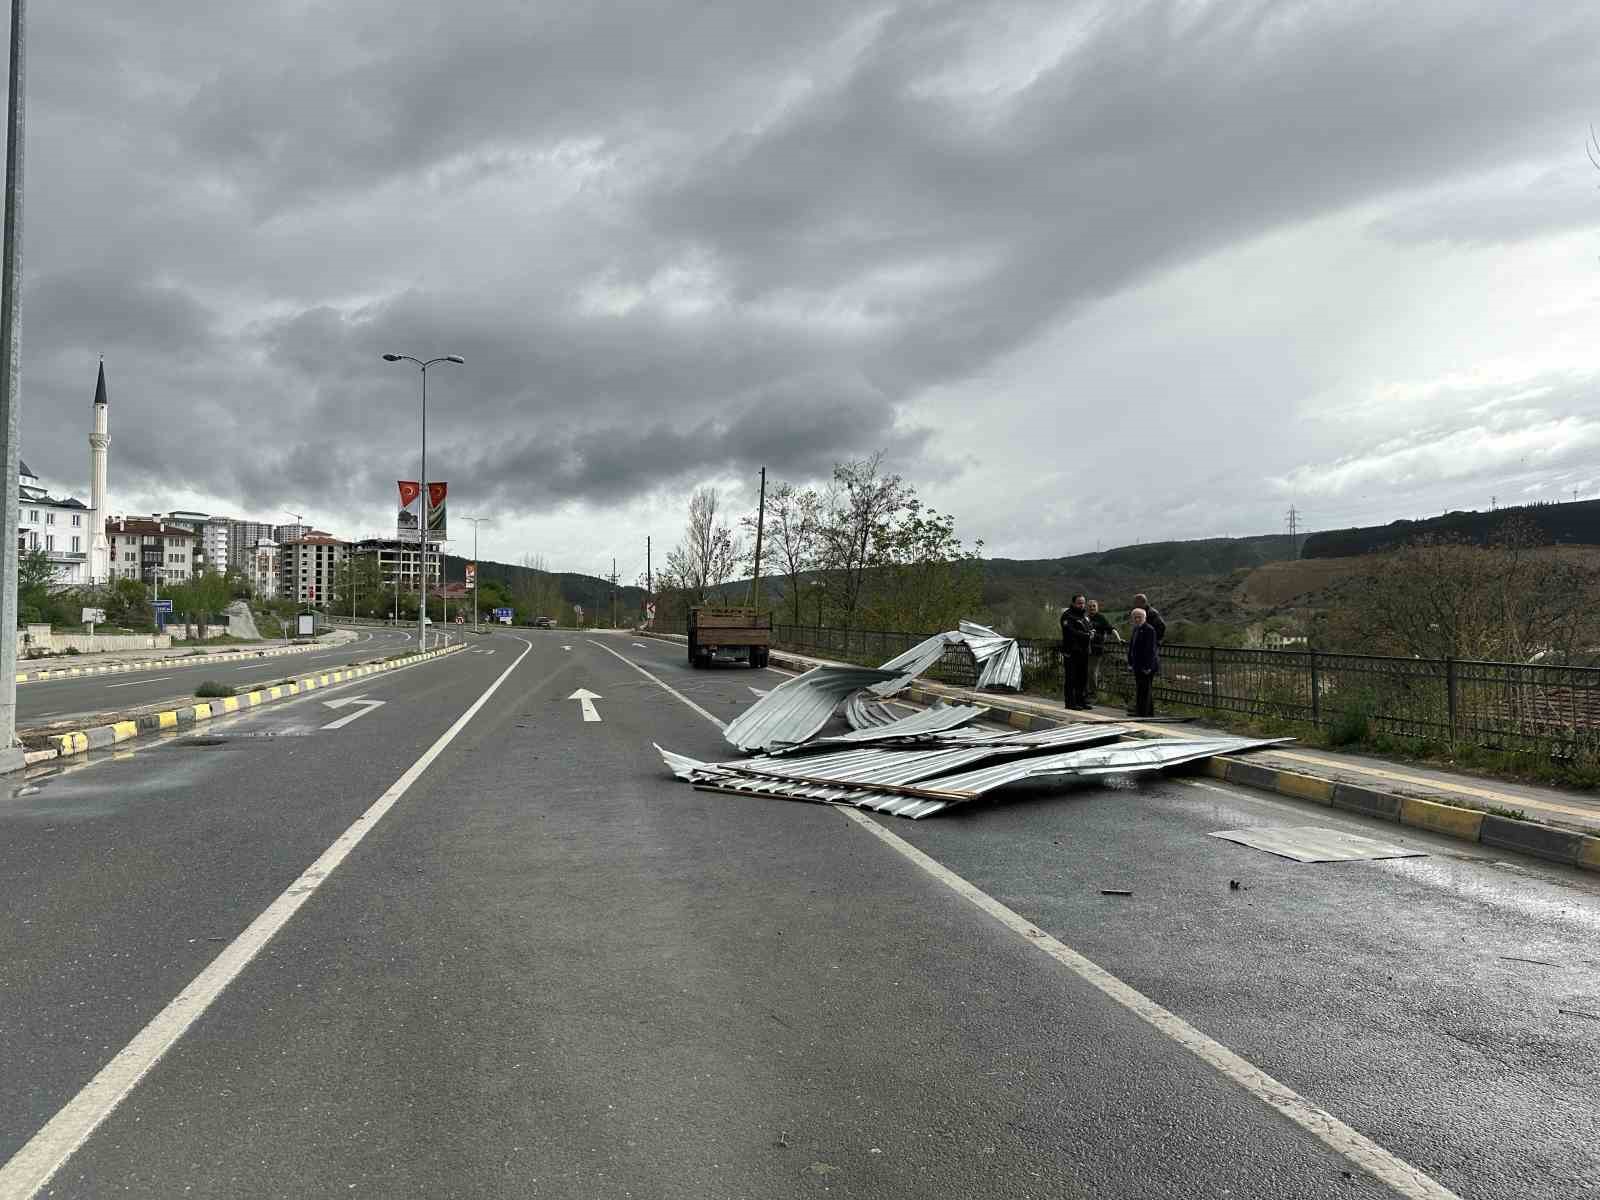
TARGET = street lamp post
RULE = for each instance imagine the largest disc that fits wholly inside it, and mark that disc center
(476, 521)
(422, 526)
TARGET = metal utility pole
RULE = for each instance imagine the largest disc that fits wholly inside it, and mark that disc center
(1293, 520)
(761, 520)
(10, 378)
(422, 500)
(613, 593)
(476, 567)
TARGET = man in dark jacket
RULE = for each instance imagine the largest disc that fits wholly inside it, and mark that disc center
(1103, 632)
(1077, 635)
(1152, 616)
(1144, 660)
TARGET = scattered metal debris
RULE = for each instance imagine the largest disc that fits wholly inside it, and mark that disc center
(914, 783)
(997, 657)
(1316, 843)
(797, 708)
(862, 710)
(919, 725)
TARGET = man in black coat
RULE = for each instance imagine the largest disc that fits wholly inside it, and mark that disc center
(1144, 660)
(1077, 635)
(1152, 616)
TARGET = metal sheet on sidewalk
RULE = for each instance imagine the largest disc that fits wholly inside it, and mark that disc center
(1316, 843)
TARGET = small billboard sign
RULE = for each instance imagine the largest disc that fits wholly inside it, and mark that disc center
(161, 606)
(503, 615)
(307, 625)
(94, 616)
(472, 575)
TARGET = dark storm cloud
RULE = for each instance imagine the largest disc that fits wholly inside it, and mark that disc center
(676, 240)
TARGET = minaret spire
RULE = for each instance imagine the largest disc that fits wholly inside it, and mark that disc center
(99, 446)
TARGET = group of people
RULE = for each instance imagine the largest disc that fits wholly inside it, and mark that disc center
(1085, 634)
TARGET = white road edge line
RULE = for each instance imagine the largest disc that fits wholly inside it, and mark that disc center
(1356, 1147)
(33, 1166)
(137, 682)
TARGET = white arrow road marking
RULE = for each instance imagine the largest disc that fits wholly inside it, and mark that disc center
(586, 698)
(759, 691)
(640, 645)
(137, 682)
(366, 707)
(566, 647)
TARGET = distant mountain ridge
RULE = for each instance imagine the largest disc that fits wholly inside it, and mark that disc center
(1575, 522)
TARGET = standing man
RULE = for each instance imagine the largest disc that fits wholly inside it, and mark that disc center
(1077, 635)
(1152, 616)
(1103, 630)
(1144, 660)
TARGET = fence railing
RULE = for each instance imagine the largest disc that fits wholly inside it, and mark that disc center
(1496, 705)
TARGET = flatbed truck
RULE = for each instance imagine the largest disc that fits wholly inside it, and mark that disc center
(720, 629)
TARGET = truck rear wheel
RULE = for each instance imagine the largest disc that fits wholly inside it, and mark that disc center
(759, 656)
(694, 652)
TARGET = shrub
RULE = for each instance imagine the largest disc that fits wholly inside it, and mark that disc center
(1352, 722)
(211, 689)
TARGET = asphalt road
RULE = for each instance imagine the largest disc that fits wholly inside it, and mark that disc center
(48, 701)
(551, 970)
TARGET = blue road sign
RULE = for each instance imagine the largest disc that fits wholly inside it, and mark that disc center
(162, 606)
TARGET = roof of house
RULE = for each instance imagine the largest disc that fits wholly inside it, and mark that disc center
(144, 527)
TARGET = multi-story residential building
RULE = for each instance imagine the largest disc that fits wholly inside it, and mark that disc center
(60, 526)
(290, 533)
(214, 544)
(151, 550)
(260, 567)
(399, 560)
(243, 536)
(309, 567)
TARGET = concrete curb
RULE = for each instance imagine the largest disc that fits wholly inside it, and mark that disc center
(101, 736)
(1533, 838)
(176, 660)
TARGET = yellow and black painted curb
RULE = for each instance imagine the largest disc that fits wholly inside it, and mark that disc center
(83, 740)
(177, 660)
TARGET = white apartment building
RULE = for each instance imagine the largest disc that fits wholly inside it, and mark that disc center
(60, 526)
(260, 567)
(399, 560)
(214, 544)
(309, 567)
(151, 550)
(245, 536)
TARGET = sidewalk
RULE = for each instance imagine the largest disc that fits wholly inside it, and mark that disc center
(63, 666)
(1546, 822)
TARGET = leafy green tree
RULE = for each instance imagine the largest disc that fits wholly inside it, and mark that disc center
(922, 577)
(35, 575)
(362, 574)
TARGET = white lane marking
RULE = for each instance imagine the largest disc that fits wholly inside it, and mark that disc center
(1356, 1147)
(261, 667)
(137, 682)
(663, 684)
(639, 645)
(759, 691)
(31, 1167)
(587, 698)
(366, 707)
(569, 647)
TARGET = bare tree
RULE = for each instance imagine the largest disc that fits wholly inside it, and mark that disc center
(857, 515)
(793, 525)
(708, 554)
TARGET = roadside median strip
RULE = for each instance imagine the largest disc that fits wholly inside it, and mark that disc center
(175, 660)
(99, 737)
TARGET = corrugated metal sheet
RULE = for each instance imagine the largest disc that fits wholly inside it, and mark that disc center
(795, 710)
(1316, 843)
(862, 710)
(1085, 734)
(1123, 758)
(940, 719)
(998, 658)
(870, 767)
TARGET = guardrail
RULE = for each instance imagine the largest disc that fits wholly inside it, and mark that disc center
(1496, 705)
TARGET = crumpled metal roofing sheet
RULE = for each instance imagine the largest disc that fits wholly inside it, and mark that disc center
(940, 719)
(1125, 757)
(795, 710)
(998, 658)
(1061, 735)
(862, 710)
(872, 766)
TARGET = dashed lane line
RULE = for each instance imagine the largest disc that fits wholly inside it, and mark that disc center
(1399, 1175)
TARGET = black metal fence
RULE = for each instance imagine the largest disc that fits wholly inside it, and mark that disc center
(1504, 706)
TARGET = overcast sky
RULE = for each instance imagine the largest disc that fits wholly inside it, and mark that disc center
(1087, 273)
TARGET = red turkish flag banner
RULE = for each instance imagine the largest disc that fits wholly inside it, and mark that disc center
(436, 494)
(410, 489)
